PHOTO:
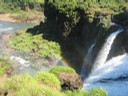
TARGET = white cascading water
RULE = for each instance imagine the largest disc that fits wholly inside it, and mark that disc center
(111, 75)
(103, 54)
(21, 61)
(88, 57)
(89, 54)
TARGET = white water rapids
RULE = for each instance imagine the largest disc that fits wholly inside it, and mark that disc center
(111, 75)
(21, 61)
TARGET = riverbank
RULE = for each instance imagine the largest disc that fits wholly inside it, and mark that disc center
(6, 17)
(24, 17)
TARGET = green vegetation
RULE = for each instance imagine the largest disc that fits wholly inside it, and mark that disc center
(97, 92)
(36, 90)
(4, 64)
(26, 43)
(71, 14)
(65, 18)
(48, 79)
(76, 93)
(25, 85)
(23, 10)
(58, 69)
(42, 84)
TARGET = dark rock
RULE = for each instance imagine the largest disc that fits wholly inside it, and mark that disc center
(70, 81)
(3, 93)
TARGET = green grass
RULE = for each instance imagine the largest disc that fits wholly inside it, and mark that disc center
(37, 90)
(18, 82)
(4, 64)
(58, 69)
(48, 79)
(26, 43)
(26, 85)
(76, 93)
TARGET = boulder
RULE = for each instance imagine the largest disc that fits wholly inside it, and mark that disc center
(70, 81)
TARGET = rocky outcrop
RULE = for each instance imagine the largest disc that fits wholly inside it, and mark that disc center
(70, 81)
(93, 26)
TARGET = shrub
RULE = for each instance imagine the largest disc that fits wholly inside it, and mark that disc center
(58, 69)
(48, 79)
(97, 92)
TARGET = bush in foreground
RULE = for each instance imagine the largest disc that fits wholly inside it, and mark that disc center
(48, 79)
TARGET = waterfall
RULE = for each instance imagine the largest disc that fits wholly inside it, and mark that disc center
(112, 75)
(87, 59)
(89, 54)
(103, 54)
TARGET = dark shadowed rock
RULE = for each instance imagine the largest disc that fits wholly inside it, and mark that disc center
(3, 93)
(70, 81)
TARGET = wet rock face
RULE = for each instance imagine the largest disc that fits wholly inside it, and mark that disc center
(120, 44)
(125, 40)
(70, 81)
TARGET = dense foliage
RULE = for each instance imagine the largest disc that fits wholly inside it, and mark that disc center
(68, 15)
(14, 4)
(65, 14)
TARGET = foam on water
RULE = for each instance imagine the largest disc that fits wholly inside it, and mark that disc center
(111, 75)
(108, 76)
(6, 29)
(21, 61)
